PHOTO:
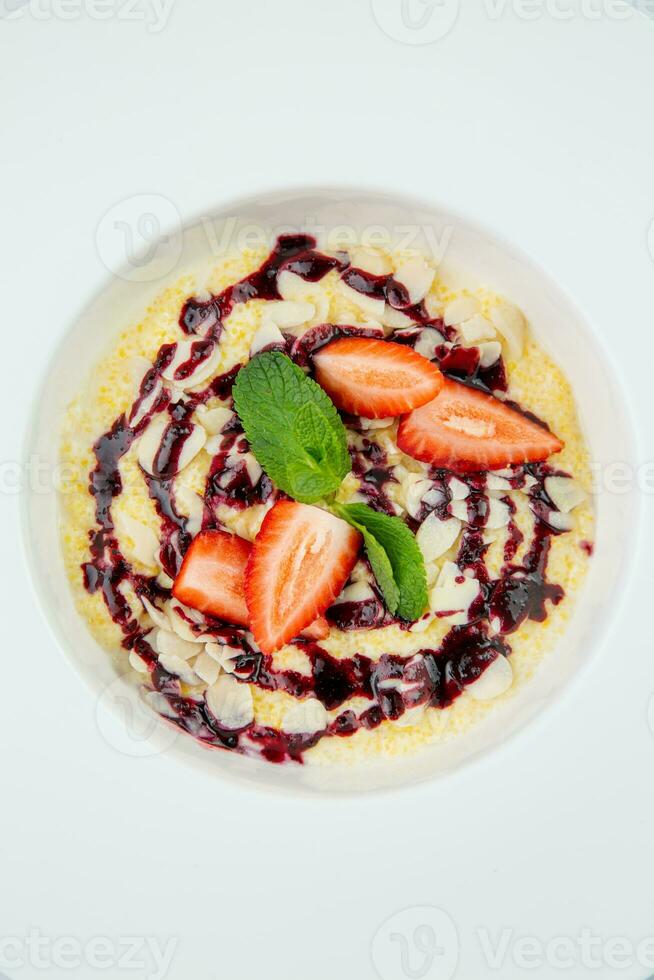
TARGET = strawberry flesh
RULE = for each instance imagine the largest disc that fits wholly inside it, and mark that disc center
(212, 580)
(375, 378)
(211, 577)
(300, 561)
(466, 430)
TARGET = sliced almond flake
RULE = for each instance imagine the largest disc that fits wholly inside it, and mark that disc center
(150, 441)
(361, 572)
(458, 489)
(192, 506)
(476, 329)
(368, 424)
(294, 288)
(191, 447)
(415, 491)
(213, 420)
(495, 681)
(202, 372)
(179, 624)
(489, 353)
(213, 650)
(369, 304)
(213, 445)
(305, 718)
(290, 313)
(370, 260)
(356, 592)
(560, 522)
(395, 319)
(421, 624)
(146, 405)
(564, 492)
(511, 325)
(413, 486)
(495, 482)
(159, 703)
(463, 308)
(253, 467)
(436, 536)
(137, 663)
(416, 276)
(180, 668)
(171, 645)
(268, 335)
(433, 497)
(427, 342)
(458, 509)
(138, 367)
(158, 617)
(223, 655)
(141, 543)
(206, 668)
(453, 594)
(230, 703)
(498, 514)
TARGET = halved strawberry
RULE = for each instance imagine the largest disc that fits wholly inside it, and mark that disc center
(301, 559)
(375, 378)
(317, 630)
(464, 429)
(211, 578)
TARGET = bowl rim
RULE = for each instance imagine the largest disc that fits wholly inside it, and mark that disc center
(396, 196)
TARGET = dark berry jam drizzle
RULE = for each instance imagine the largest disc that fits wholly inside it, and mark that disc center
(393, 684)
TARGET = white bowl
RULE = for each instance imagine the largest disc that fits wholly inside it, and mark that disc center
(470, 254)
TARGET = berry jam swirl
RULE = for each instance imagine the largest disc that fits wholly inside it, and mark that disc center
(162, 423)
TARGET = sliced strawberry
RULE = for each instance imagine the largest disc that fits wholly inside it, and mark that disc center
(212, 576)
(465, 430)
(375, 378)
(300, 561)
(317, 630)
(212, 580)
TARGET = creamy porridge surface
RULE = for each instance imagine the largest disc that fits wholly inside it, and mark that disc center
(156, 438)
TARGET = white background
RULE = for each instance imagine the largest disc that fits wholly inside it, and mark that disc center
(540, 127)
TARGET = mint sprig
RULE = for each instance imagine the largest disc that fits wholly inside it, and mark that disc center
(300, 441)
(394, 556)
(292, 426)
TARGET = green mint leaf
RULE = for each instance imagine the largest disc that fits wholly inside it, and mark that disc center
(381, 568)
(392, 537)
(292, 427)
